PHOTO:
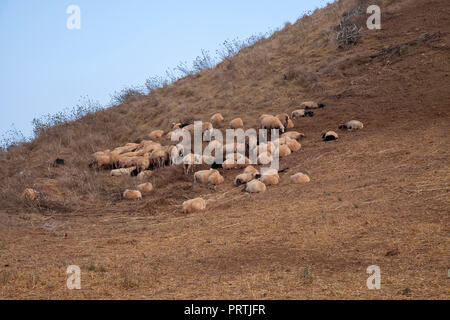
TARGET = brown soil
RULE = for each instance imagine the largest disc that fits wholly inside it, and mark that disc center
(382, 189)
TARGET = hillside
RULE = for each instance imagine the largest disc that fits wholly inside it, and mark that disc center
(373, 191)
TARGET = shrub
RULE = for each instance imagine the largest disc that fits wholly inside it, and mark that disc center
(126, 95)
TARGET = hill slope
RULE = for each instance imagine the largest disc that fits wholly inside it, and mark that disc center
(373, 191)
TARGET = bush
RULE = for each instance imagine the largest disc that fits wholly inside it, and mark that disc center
(84, 107)
(127, 95)
(12, 137)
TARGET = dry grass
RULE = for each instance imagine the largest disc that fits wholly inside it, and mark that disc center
(372, 192)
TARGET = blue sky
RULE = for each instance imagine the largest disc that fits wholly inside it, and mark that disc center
(45, 67)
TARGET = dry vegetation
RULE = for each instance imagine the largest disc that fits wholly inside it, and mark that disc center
(377, 190)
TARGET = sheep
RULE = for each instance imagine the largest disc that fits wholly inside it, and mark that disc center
(208, 159)
(264, 115)
(236, 123)
(300, 178)
(156, 134)
(142, 163)
(176, 125)
(127, 162)
(158, 158)
(132, 195)
(215, 144)
(103, 161)
(175, 152)
(269, 147)
(229, 164)
(145, 187)
(270, 179)
(143, 175)
(329, 136)
(293, 135)
(29, 195)
(255, 186)
(271, 122)
(284, 151)
(352, 125)
(189, 162)
(294, 145)
(197, 204)
(290, 124)
(284, 118)
(251, 169)
(243, 178)
(127, 148)
(203, 175)
(301, 113)
(122, 172)
(215, 178)
(268, 171)
(265, 158)
(311, 105)
(216, 118)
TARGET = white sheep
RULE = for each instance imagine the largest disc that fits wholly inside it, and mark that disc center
(352, 125)
(122, 172)
(311, 105)
(329, 136)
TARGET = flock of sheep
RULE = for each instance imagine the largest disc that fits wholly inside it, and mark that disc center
(141, 159)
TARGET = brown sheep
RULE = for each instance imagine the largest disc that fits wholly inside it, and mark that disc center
(294, 145)
(158, 158)
(215, 178)
(290, 124)
(236, 123)
(156, 134)
(300, 178)
(293, 135)
(197, 204)
(270, 179)
(132, 195)
(251, 169)
(203, 175)
(145, 187)
(255, 186)
(271, 122)
(216, 118)
(284, 118)
(143, 175)
(284, 151)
